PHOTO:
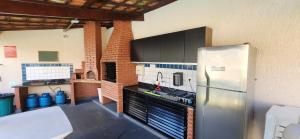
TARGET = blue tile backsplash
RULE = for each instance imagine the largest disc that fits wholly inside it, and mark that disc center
(174, 66)
(149, 75)
(147, 65)
(25, 65)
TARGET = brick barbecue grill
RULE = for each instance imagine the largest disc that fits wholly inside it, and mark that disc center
(118, 52)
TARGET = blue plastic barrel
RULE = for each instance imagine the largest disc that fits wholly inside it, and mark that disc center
(32, 101)
(60, 97)
(45, 100)
(6, 104)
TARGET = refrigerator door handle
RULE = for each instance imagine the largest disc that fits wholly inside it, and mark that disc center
(207, 87)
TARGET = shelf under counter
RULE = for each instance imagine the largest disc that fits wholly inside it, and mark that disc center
(85, 88)
(22, 91)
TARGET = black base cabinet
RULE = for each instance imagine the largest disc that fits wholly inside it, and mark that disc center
(134, 105)
(166, 117)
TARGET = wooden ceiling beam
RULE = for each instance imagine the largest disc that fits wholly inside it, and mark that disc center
(34, 28)
(122, 4)
(45, 2)
(11, 15)
(30, 26)
(38, 22)
(68, 1)
(41, 25)
(9, 7)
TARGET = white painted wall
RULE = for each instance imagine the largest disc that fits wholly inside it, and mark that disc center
(272, 26)
(106, 34)
(70, 46)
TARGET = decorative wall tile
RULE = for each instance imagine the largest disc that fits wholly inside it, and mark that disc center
(46, 71)
(189, 72)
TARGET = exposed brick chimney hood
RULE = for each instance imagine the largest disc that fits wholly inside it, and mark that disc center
(118, 51)
(93, 50)
(119, 44)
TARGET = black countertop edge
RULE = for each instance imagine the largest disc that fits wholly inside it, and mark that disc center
(134, 88)
(23, 86)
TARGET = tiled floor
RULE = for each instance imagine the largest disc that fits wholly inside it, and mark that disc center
(90, 121)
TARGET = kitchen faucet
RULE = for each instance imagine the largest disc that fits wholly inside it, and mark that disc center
(158, 83)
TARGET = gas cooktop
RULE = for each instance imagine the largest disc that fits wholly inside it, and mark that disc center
(183, 97)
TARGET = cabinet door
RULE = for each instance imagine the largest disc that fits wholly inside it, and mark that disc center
(136, 51)
(194, 39)
(172, 49)
(135, 106)
(151, 49)
(168, 118)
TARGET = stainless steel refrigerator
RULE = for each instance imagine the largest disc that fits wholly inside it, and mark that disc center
(225, 81)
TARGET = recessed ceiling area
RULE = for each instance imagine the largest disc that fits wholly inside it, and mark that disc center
(57, 14)
(22, 23)
(10, 23)
(128, 6)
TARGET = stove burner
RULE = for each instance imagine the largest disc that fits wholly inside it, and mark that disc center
(183, 97)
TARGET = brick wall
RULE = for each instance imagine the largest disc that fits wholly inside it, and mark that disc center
(85, 90)
(118, 47)
(92, 48)
(118, 51)
(109, 89)
(190, 123)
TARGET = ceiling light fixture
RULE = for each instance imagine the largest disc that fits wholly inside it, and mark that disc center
(74, 21)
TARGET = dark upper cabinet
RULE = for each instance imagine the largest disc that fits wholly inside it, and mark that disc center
(151, 49)
(146, 50)
(194, 39)
(173, 47)
(137, 50)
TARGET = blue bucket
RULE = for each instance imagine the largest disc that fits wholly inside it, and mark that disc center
(6, 104)
(32, 101)
(60, 97)
(45, 100)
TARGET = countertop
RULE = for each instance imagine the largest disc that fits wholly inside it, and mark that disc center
(141, 87)
(36, 85)
(51, 84)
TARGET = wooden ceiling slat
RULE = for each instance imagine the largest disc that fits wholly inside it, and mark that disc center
(121, 4)
(56, 14)
(46, 2)
(160, 4)
(68, 1)
(28, 22)
(88, 3)
(16, 25)
(34, 9)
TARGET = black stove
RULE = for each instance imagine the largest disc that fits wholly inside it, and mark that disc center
(184, 97)
(179, 96)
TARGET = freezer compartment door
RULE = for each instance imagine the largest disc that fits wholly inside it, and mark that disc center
(223, 67)
(220, 114)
